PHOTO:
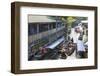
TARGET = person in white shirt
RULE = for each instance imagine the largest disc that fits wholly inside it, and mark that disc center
(80, 48)
(74, 35)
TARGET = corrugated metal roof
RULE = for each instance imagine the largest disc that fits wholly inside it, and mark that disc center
(35, 19)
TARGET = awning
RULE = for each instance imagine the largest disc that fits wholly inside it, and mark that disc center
(53, 45)
(84, 21)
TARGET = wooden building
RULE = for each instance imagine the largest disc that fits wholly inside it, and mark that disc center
(44, 31)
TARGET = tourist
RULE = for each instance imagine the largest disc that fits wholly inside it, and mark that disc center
(80, 48)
